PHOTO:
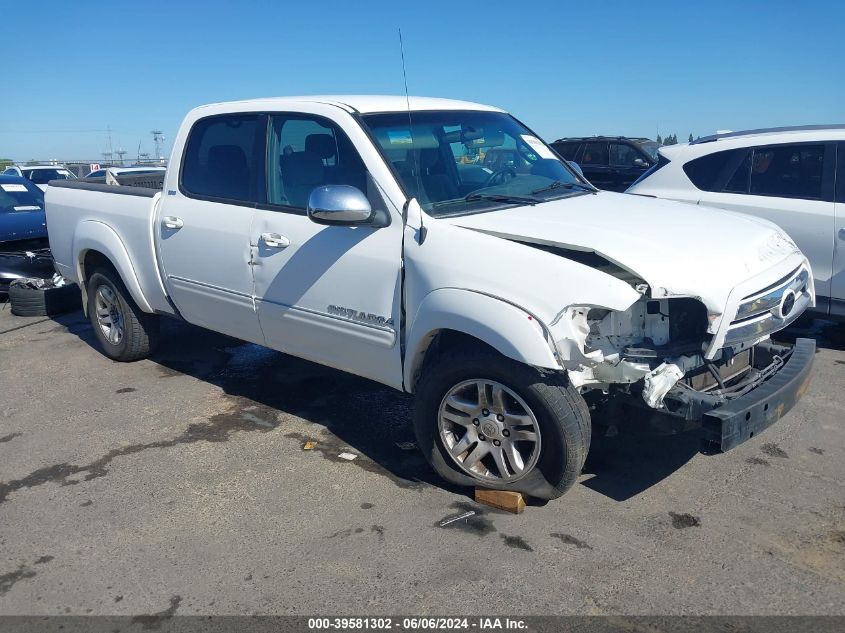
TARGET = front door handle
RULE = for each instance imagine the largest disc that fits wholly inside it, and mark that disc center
(842, 234)
(274, 240)
(172, 222)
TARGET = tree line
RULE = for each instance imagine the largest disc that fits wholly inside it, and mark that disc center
(672, 139)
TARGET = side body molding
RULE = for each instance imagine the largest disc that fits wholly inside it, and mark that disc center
(505, 327)
(92, 235)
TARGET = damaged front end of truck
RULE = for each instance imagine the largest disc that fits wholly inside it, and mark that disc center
(684, 363)
(668, 310)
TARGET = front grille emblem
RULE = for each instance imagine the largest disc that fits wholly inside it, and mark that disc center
(787, 302)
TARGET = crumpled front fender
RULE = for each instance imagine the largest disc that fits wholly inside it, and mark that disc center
(509, 329)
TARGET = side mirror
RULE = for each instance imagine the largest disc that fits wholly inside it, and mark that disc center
(339, 204)
(639, 162)
(576, 167)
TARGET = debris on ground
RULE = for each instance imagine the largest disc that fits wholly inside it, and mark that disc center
(507, 500)
(36, 283)
(309, 445)
(348, 456)
(457, 517)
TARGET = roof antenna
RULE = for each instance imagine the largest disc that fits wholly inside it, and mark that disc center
(414, 153)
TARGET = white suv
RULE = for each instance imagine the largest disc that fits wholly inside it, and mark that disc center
(40, 175)
(794, 177)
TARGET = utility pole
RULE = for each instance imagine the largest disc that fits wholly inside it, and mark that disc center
(158, 139)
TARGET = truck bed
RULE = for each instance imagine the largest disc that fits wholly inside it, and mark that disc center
(84, 217)
(154, 181)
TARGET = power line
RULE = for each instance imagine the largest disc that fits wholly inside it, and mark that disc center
(51, 131)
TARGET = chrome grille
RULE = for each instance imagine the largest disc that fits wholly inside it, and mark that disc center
(772, 308)
(771, 297)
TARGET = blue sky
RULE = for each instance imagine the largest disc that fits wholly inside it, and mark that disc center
(564, 68)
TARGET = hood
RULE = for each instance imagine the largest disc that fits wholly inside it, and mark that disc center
(676, 248)
(22, 225)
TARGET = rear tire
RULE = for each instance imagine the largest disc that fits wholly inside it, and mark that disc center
(540, 406)
(124, 331)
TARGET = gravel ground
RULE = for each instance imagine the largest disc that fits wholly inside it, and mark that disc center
(180, 485)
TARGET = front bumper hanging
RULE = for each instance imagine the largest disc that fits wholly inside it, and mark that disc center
(781, 377)
(739, 420)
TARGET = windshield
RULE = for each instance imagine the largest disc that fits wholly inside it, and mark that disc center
(468, 161)
(650, 148)
(20, 196)
(43, 176)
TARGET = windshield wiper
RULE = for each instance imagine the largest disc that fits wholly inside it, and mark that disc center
(493, 197)
(502, 197)
(557, 184)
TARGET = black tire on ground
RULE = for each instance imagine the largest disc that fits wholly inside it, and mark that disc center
(44, 301)
(140, 330)
(562, 415)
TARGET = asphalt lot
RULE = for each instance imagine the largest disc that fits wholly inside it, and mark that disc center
(180, 485)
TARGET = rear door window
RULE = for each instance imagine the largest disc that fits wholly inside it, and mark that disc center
(622, 155)
(788, 171)
(567, 150)
(220, 158)
(595, 154)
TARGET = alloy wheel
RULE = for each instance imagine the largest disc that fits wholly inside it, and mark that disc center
(109, 314)
(489, 431)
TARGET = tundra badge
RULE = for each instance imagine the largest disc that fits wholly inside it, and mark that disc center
(362, 317)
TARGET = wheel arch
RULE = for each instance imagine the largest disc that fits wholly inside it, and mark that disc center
(96, 245)
(456, 316)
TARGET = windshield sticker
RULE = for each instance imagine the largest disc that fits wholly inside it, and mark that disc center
(400, 137)
(14, 188)
(538, 146)
(27, 208)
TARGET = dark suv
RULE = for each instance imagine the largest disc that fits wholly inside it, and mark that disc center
(609, 162)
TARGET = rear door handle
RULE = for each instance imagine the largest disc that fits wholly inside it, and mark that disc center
(172, 222)
(274, 240)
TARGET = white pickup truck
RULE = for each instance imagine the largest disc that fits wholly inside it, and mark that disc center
(369, 234)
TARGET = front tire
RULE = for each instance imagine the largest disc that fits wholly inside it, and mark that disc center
(484, 420)
(124, 332)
